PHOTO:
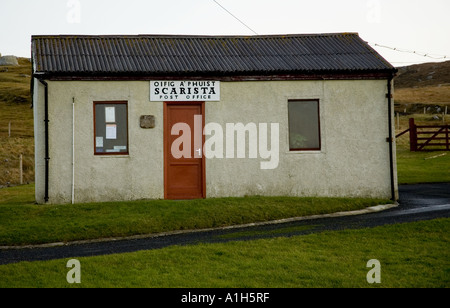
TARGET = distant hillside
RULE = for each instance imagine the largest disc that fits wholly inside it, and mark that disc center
(423, 75)
(16, 123)
(422, 84)
(15, 82)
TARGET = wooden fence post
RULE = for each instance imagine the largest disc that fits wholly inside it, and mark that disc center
(412, 136)
(21, 169)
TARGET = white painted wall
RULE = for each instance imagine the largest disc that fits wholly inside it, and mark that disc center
(353, 162)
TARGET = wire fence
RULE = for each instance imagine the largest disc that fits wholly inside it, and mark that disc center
(16, 170)
(16, 155)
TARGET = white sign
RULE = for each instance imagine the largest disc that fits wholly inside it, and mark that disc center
(182, 91)
(110, 114)
(99, 142)
(111, 131)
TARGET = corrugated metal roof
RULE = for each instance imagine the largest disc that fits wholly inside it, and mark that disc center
(204, 55)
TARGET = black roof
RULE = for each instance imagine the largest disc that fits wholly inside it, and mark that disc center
(162, 55)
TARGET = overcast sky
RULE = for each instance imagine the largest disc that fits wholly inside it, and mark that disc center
(409, 25)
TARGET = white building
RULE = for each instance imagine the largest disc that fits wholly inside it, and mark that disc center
(179, 117)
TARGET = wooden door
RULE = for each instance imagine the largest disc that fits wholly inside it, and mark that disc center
(184, 177)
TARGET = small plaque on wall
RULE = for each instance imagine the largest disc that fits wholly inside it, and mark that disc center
(147, 121)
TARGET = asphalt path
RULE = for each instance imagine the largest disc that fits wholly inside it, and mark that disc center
(416, 203)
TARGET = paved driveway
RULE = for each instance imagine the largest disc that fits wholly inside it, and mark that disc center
(417, 202)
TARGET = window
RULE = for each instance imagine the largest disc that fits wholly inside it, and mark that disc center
(304, 125)
(111, 128)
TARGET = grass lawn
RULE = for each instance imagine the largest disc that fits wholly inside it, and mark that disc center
(411, 255)
(22, 222)
(422, 167)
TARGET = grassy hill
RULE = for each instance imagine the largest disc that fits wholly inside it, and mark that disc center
(423, 75)
(15, 108)
(422, 91)
(421, 85)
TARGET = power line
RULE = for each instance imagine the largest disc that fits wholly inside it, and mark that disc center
(235, 17)
(401, 64)
(422, 54)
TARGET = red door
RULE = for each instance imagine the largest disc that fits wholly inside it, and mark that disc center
(184, 165)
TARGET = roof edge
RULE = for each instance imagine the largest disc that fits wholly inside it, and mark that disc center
(331, 75)
(192, 36)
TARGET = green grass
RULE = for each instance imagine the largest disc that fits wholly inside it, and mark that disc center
(422, 167)
(22, 222)
(411, 255)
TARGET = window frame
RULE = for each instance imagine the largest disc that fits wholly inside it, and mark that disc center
(95, 103)
(294, 150)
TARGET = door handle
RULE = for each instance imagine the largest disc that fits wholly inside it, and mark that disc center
(199, 151)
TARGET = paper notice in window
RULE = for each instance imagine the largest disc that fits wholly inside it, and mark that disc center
(110, 114)
(99, 142)
(111, 131)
